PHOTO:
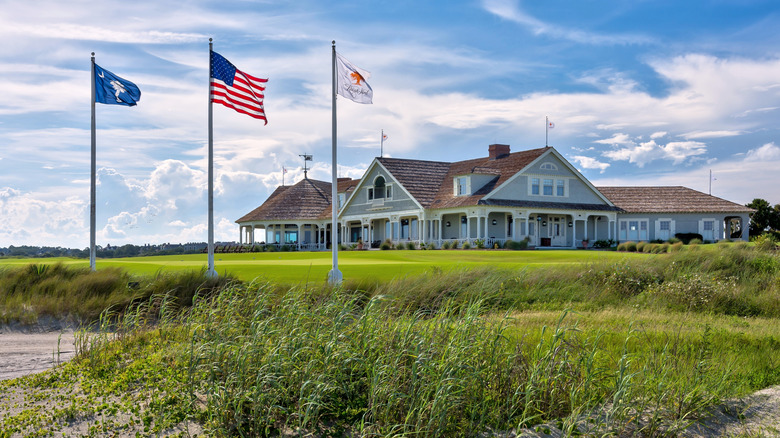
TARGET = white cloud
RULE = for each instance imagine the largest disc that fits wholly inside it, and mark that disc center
(767, 152)
(510, 10)
(710, 134)
(590, 163)
(645, 152)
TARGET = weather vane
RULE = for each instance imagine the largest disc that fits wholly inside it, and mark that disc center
(306, 157)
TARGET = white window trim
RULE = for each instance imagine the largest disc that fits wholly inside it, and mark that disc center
(547, 165)
(716, 231)
(672, 230)
(555, 180)
(638, 229)
(455, 185)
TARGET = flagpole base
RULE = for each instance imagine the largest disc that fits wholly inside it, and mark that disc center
(334, 277)
(212, 273)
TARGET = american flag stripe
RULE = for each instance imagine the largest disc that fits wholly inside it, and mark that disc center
(245, 94)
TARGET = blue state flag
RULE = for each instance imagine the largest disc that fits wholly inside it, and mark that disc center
(113, 90)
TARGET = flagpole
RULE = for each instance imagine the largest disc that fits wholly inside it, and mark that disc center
(546, 129)
(92, 184)
(382, 144)
(334, 276)
(211, 271)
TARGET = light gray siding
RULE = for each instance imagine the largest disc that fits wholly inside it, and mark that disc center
(360, 204)
(576, 191)
(718, 229)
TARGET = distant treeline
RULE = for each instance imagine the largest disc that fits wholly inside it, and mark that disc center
(108, 251)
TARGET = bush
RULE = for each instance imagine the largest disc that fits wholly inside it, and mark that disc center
(631, 246)
(411, 246)
(687, 237)
(513, 245)
(640, 247)
(695, 241)
(765, 242)
(479, 243)
(445, 244)
(385, 246)
(676, 246)
(399, 246)
(673, 240)
(466, 245)
(454, 244)
(431, 245)
(603, 244)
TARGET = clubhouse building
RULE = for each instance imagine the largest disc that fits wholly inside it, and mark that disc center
(534, 194)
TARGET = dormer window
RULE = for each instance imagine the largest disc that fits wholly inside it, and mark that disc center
(461, 184)
(548, 166)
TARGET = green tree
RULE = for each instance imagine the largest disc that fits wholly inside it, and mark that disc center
(760, 220)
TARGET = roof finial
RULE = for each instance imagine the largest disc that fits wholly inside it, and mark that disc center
(306, 157)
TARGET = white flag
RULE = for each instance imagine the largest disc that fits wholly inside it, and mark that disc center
(550, 124)
(352, 81)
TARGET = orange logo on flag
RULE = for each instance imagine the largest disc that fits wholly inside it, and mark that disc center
(357, 77)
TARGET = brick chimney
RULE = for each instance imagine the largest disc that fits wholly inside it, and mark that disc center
(496, 151)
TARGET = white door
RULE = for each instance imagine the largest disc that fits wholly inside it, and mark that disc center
(557, 230)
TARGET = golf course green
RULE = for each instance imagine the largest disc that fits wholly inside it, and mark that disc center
(313, 267)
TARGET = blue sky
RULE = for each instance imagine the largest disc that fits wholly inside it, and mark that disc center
(641, 93)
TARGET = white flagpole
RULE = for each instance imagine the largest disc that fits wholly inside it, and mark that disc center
(382, 144)
(211, 271)
(546, 129)
(92, 197)
(334, 276)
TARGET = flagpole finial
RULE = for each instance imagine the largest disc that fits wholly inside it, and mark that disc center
(334, 43)
(211, 39)
(93, 54)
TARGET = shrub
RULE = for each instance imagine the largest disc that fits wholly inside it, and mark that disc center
(445, 244)
(466, 245)
(454, 244)
(480, 243)
(676, 246)
(431, 245)
(695, 241)
(673, 240)
(411, 246)
(399, 246)
(385, 246)
(687, 237)
(631, 246)
(765, 242)
(640, 247)
(609, 243)
(515, 245)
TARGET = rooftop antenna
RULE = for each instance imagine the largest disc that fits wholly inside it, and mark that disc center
(306, 157)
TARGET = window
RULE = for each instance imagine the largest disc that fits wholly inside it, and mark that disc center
(341, 199)
(370, 193)
(389, 192)
(708, 225)
(665, 225)
(404, 228)
(548, 166)
(461, 186)
(548, 187)
(379, 187)
(559, 187)
(534, 186)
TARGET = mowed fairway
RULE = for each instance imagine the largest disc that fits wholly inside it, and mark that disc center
(313, 267)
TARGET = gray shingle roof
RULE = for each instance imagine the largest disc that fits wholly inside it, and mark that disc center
(671, 199)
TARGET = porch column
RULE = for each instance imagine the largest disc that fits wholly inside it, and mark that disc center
(487, 233)
(440, 231)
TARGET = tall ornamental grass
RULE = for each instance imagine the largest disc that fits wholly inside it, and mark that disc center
(303, 362)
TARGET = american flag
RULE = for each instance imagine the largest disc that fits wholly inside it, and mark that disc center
(235, 89)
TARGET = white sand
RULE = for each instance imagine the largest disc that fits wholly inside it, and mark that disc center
(23, 353)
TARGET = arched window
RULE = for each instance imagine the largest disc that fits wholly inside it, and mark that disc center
(548, 166)
(379, 187)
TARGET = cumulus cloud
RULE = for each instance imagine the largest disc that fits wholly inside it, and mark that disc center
(590, 163)
(641, 153)
(767, 152)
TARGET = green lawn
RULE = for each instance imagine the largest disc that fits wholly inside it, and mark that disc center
(313, 267)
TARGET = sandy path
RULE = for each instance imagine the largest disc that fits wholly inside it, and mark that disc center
(24, 353)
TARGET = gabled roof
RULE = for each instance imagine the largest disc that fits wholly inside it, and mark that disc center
(307, 199)
(421, 179)
(504, 168)
(672, 199)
